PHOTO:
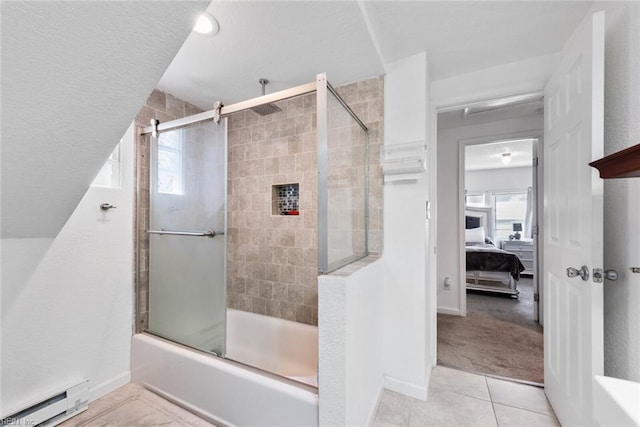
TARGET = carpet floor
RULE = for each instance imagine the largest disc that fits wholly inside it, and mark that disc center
(497, 337)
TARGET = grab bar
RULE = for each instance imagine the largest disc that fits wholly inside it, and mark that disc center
(209, 233)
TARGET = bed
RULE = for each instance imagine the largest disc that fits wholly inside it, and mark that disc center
(488, 268)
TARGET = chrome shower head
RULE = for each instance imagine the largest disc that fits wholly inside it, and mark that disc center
(265, 109)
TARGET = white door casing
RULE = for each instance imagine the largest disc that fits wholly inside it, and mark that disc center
(573, 218)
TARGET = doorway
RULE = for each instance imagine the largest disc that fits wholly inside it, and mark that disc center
(487, 312)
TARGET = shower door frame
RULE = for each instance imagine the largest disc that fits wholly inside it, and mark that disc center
(322, 93)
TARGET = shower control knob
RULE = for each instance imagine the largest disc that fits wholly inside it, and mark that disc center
(107, 206)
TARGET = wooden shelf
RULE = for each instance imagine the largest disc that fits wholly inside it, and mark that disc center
(623, 164)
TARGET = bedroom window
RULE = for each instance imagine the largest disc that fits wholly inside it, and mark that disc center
(508, 208)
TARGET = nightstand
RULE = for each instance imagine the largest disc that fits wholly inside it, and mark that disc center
(524, 250)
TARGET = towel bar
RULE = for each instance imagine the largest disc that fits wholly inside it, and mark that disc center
(209, 233)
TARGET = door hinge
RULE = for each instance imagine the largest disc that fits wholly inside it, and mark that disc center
(534, 230)
(536, 297)
(535, 162)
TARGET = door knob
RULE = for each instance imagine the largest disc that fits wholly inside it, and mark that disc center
(583, 272)
(599, 275)
(611, 275)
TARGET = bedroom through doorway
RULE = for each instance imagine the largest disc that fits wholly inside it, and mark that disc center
(497, 329)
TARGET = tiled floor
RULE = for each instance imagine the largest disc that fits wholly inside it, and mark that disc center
(458, 398)
(133, 405)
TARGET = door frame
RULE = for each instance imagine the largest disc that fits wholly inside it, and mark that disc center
(536, 134)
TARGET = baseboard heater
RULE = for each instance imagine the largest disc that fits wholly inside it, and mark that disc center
(52, 409)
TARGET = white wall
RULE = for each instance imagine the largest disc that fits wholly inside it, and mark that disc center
(350, 344)
(499, 179)
(449, 227)
(67, 302)
(529, 75)
(622, 196)
(408, 327)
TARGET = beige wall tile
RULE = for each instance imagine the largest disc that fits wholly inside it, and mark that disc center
(190, 109)
(295, 294)
(288, 311)
(164, 117)
(175, 106)
(157, 100)
(303, 314)
(145, 115)
(273, 308)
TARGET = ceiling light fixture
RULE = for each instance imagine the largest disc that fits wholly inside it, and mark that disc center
(506, 158)
(206, 24)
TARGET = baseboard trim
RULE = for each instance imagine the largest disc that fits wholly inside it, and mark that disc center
(408, 389)
(110, 385)
(376, 404)
(453, 311)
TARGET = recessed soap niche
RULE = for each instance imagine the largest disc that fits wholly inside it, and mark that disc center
(285, 199)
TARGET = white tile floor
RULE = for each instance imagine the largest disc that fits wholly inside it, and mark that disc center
(456, 398)
(464, 399)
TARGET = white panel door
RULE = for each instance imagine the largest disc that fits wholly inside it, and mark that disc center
(573, 137)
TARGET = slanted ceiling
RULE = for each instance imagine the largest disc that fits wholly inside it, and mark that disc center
(74, 75)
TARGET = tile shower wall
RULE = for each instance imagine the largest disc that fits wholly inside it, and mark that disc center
(164, 107)
(272, 259)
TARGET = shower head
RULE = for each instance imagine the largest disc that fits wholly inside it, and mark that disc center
(265, 109)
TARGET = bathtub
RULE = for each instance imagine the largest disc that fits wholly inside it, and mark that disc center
(229, 393)
(285, 348)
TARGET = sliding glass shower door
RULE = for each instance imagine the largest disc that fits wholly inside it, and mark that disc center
(187, 240)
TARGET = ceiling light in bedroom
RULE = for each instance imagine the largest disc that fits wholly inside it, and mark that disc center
(506, 158)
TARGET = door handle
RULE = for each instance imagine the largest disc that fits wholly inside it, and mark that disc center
(598, 275)
(583, 272)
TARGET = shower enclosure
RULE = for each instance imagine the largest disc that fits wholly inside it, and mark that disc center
(232, 225)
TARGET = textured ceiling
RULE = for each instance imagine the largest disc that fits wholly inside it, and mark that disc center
(464, 36)
(290, 42)
(74, 75)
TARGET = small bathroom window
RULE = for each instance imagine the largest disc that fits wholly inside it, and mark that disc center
(109, 175)
(286, 199)
(170, 164)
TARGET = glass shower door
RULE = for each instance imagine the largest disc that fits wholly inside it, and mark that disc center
(187, 240)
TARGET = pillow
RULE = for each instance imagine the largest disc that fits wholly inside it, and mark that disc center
(474, 235)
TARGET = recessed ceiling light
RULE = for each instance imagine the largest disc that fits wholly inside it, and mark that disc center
(206, 24)
(506, 158)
